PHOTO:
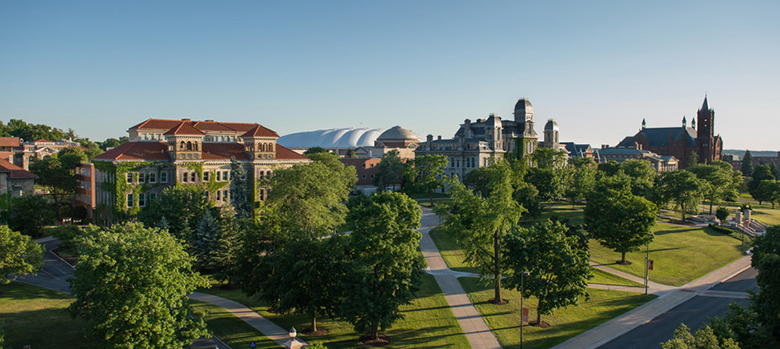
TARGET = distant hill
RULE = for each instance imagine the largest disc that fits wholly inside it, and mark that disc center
(741, 152)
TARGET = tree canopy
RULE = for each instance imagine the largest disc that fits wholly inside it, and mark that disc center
(390, 170)
(558, 270)
(131, 284)
(19, 254)
(684, 189)
(747, 164)
(386, 266)
(425, 173)
(618, 219)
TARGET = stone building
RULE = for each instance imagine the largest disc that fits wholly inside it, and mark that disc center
(161, 153)
(684, 143)
(476, 142)
(15, 181)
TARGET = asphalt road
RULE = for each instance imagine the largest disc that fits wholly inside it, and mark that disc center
(692, 313)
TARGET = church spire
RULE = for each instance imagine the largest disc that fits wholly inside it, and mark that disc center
(705, 106)
(644, 124)
(685, 123)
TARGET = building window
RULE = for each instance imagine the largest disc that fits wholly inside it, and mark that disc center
(226, 176)
(184, 177)
(225, 195)
(163, 177)
(192, 177)
(141, 178)
(152, 196)
(130, 200)
(152, 178)
(141, 200)
(219, 195)
(129, 177)
(205, 176)
(364, 176)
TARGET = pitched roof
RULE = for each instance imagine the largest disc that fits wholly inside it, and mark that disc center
(9, 141)
(184, 128)
(259, 131)
(15, 172)
(283, 153)
(157, 124)
(208, 125)
(661, 136)
(137, 151)
(223, 151)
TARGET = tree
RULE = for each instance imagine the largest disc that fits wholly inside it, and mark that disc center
(609, 169)
(558, 270)
(390, 170)
(207, 242)
(19, 254)
(618, 219)
(547, 181)
(481, 220)
(703, 339)
(548, 158)
(747, 164)
(581, 181)
(310, 197)
(760, 173)
(425, 173)
(241, 191)
(58, 179)
(131, 283)
(225, 257)
(767, 190)
(181, 206)
(766, 259)
(314, 150)
(719, 179)
(29, 214)
(722, 214)
(386, 266)
(774, 171)
(684, 188)
(642, 176)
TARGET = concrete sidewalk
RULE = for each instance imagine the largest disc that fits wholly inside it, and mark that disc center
(257, 321)
(620, 325)
(471, 322)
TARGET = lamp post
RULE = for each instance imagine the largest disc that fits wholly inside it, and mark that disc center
(292, 343)
(522, 309)
(647, 262)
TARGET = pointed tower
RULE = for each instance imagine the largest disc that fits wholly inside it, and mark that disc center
(644, 124)
(524, 117)
(685, 123)
(551, 134)
(705, 134)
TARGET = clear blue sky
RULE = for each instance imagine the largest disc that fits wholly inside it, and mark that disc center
(597, 67)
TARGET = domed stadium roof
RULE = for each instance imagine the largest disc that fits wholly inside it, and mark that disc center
(342, 138)
(397, 133)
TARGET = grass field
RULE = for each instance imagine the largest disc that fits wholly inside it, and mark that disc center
(451, 251)
(428, 322)
(504, 320)
(37, 316)
(604, 278)
(564, 211)
(680, 253)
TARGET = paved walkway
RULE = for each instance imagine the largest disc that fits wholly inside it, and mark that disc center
(249, 316)
(667, 300)
(474, 327)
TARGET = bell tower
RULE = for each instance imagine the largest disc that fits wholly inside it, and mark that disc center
(705, 133)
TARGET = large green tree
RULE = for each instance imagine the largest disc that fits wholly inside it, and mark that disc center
(766, 259)
(390, 170)
(580, 181)
(480, 221)
(704, 338)
(181, 207)
(719, 178)
(684, 189)
(558, 270)
(29, 214)
(618, 219)
(386, 265)
(642, 176)
(57, 179)
(310, 197)
(747, 164)
(760, 174)
(19, 254)
(131, 284)
(241, 191)
(426, 173)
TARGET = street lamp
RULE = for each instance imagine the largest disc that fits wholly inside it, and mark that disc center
(293, 343)
(522, 309)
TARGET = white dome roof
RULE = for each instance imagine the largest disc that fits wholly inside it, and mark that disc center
(342, 138)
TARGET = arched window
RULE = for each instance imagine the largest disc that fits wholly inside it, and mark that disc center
(182, 145)
(189, 145)
(196, 146)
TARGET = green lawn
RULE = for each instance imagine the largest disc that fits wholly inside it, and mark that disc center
(604, 278)
(36, 316)
(564, 211)
(232, 330)
(428, 322)
(762, 212)
(451, 251)
(504, 320)
(680, 253)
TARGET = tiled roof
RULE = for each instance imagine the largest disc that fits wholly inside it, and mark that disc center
(43, 141)
(212, 126)
(223, 151)
(157, 124)
(15, 172)
(167, 124)
(184, 128)
(239, 126)
(259, 131)
(662, 136)
(9, 141)
(283, 153)
(137, 151)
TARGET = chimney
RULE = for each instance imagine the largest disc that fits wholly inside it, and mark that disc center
(604, 146)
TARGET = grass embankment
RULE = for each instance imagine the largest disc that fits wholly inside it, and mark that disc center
(504, 320)
(604, 278)
(680, 253)
(428, 321)
(36, 316)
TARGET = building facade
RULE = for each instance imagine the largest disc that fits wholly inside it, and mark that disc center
(476, 142)
(660, 163)
(15, 181)
(687, 144)
(161, 153)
